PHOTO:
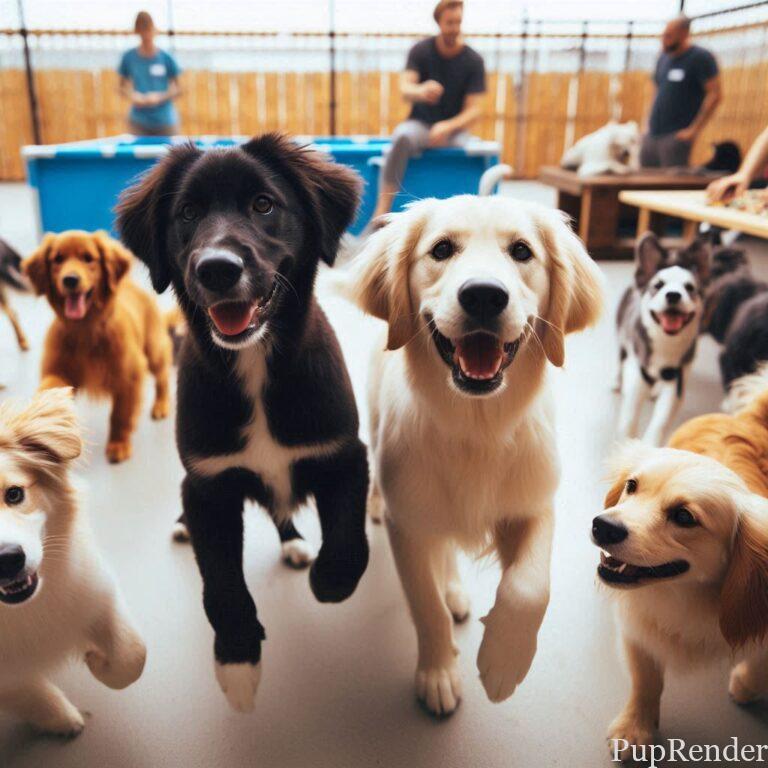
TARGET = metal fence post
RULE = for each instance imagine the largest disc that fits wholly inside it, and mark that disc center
(34, 108)
(332, 53)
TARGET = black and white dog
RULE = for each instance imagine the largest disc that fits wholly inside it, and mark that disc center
(658, 324)
(265, 405)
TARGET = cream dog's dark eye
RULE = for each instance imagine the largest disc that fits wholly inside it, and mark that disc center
(520, 251)
(444, 249)
(14, 495)
(682, 517)
(631, 486)
(263, 205)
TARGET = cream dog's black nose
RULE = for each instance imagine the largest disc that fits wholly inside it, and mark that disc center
(607, 531)
(70, 281)
(12, 560)
(483, 299)
(218, 270)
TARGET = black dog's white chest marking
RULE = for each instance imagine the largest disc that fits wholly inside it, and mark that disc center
(262, 454)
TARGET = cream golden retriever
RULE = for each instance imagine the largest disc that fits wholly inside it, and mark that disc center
(685, 547)
(478, 294)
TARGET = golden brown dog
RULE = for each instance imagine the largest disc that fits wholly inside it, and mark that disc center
(107, 331)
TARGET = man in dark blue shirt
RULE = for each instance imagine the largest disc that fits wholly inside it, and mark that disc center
(687, 94)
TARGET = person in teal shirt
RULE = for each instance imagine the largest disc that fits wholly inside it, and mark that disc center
(149, 77)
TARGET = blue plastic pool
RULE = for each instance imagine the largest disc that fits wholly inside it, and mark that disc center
(78, 183)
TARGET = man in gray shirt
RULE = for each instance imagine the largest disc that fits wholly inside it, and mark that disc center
(687, 94)
(444, 80)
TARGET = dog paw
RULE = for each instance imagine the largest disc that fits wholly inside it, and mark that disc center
(180, 533)
(121, 670)
(65, 723)
(118, 450)
(439, 689)
(506, 652)
(333, 580)
(297, 553)
(457, 601)
(239, 683)
(741, 688)
(626, 733)
(161, 409)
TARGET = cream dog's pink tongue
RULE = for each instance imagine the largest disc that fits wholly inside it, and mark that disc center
(672, 322)
(233, 317)
(75, 306)
(480, 355)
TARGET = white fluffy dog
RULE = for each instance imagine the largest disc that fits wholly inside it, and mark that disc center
(478, 294)
(57, 602)
(614, 148)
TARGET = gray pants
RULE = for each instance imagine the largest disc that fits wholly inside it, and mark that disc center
(137, 129)
(664, 151)
(409, 139)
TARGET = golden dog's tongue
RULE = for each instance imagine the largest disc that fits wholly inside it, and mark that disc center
(672, 322)
(75, 306)
(233, 317)
(480, 355)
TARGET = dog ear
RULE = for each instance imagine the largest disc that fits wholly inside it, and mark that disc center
(48, 428)
(624, 459)
(575, 287)
(380, 284)
(115, 260)
(35, 267)
(697, 257)
(143, 212)
(649, 255)
(329, 191)
(744, 596)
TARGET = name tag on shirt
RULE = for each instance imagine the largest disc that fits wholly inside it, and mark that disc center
(676, 75)
(158, 70)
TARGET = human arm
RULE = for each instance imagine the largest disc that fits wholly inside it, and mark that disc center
(712, 98)
(441, 132)
(126, 90)
(734, 185)
(412, 91)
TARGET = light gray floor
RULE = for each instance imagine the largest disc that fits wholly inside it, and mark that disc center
(337, 683)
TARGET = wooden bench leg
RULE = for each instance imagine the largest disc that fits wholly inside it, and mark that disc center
(690, 229)
(643, 222)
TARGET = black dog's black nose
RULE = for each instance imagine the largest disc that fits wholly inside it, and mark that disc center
(12, 560)
(483, 299)
(673, 297)
(607, 531)
(218, 270)
(70, 281)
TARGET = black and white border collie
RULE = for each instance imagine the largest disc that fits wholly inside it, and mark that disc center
(265, 405)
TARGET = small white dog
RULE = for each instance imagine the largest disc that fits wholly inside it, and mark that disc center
(57, 601)
(614, 148)
(685, 551)
(478, 294)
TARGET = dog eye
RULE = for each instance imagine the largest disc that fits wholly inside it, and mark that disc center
(659, 285)
(58, 258)
(14, 495)
(442, 250)
(188, 212)
(263, 205)
(682, 517)
(520, 251)
(631, 485)
(87, 258)
(690, 287)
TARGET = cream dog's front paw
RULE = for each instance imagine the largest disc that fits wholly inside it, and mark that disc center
(439, 689)
(239, 683)
(123, 667)
(507, 651)
(626, 732)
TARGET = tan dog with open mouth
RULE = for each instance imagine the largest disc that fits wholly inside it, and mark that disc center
(107, 330)
(685, 547)
(478, 294)
(57, 600)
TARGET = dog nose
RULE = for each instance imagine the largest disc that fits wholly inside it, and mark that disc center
(71, 281)
(12, 560)
(673, 297)
(607, 531)
(483, 299)
(218, 270)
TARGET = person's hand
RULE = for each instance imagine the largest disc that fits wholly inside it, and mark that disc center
(725, 189)
(431, 91)
(440, 133)
(139, 99)
(686, 134)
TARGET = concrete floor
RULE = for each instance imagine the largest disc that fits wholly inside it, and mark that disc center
(337, 684)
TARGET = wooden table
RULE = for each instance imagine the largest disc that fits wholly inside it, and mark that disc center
(593, 202)
(692, 208)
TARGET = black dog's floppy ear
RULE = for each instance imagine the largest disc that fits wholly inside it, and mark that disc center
(143, 212)
(329, 191)
(648, 256)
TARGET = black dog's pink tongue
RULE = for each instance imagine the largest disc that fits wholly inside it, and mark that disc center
(480, 355)
(233, 317)
(75, 306)
(672, 322)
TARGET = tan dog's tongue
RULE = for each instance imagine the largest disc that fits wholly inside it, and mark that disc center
(672, 322)
(233, 317)
(480, 355)
(75, 306)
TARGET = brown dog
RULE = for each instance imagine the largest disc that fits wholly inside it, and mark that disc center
(107, 331)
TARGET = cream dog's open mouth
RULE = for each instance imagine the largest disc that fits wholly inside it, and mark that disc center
(15, 592)
(618, 573)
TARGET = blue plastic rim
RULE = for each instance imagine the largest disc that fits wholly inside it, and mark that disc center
(78, 184)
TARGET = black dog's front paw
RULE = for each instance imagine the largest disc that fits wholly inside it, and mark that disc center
(335, 578)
